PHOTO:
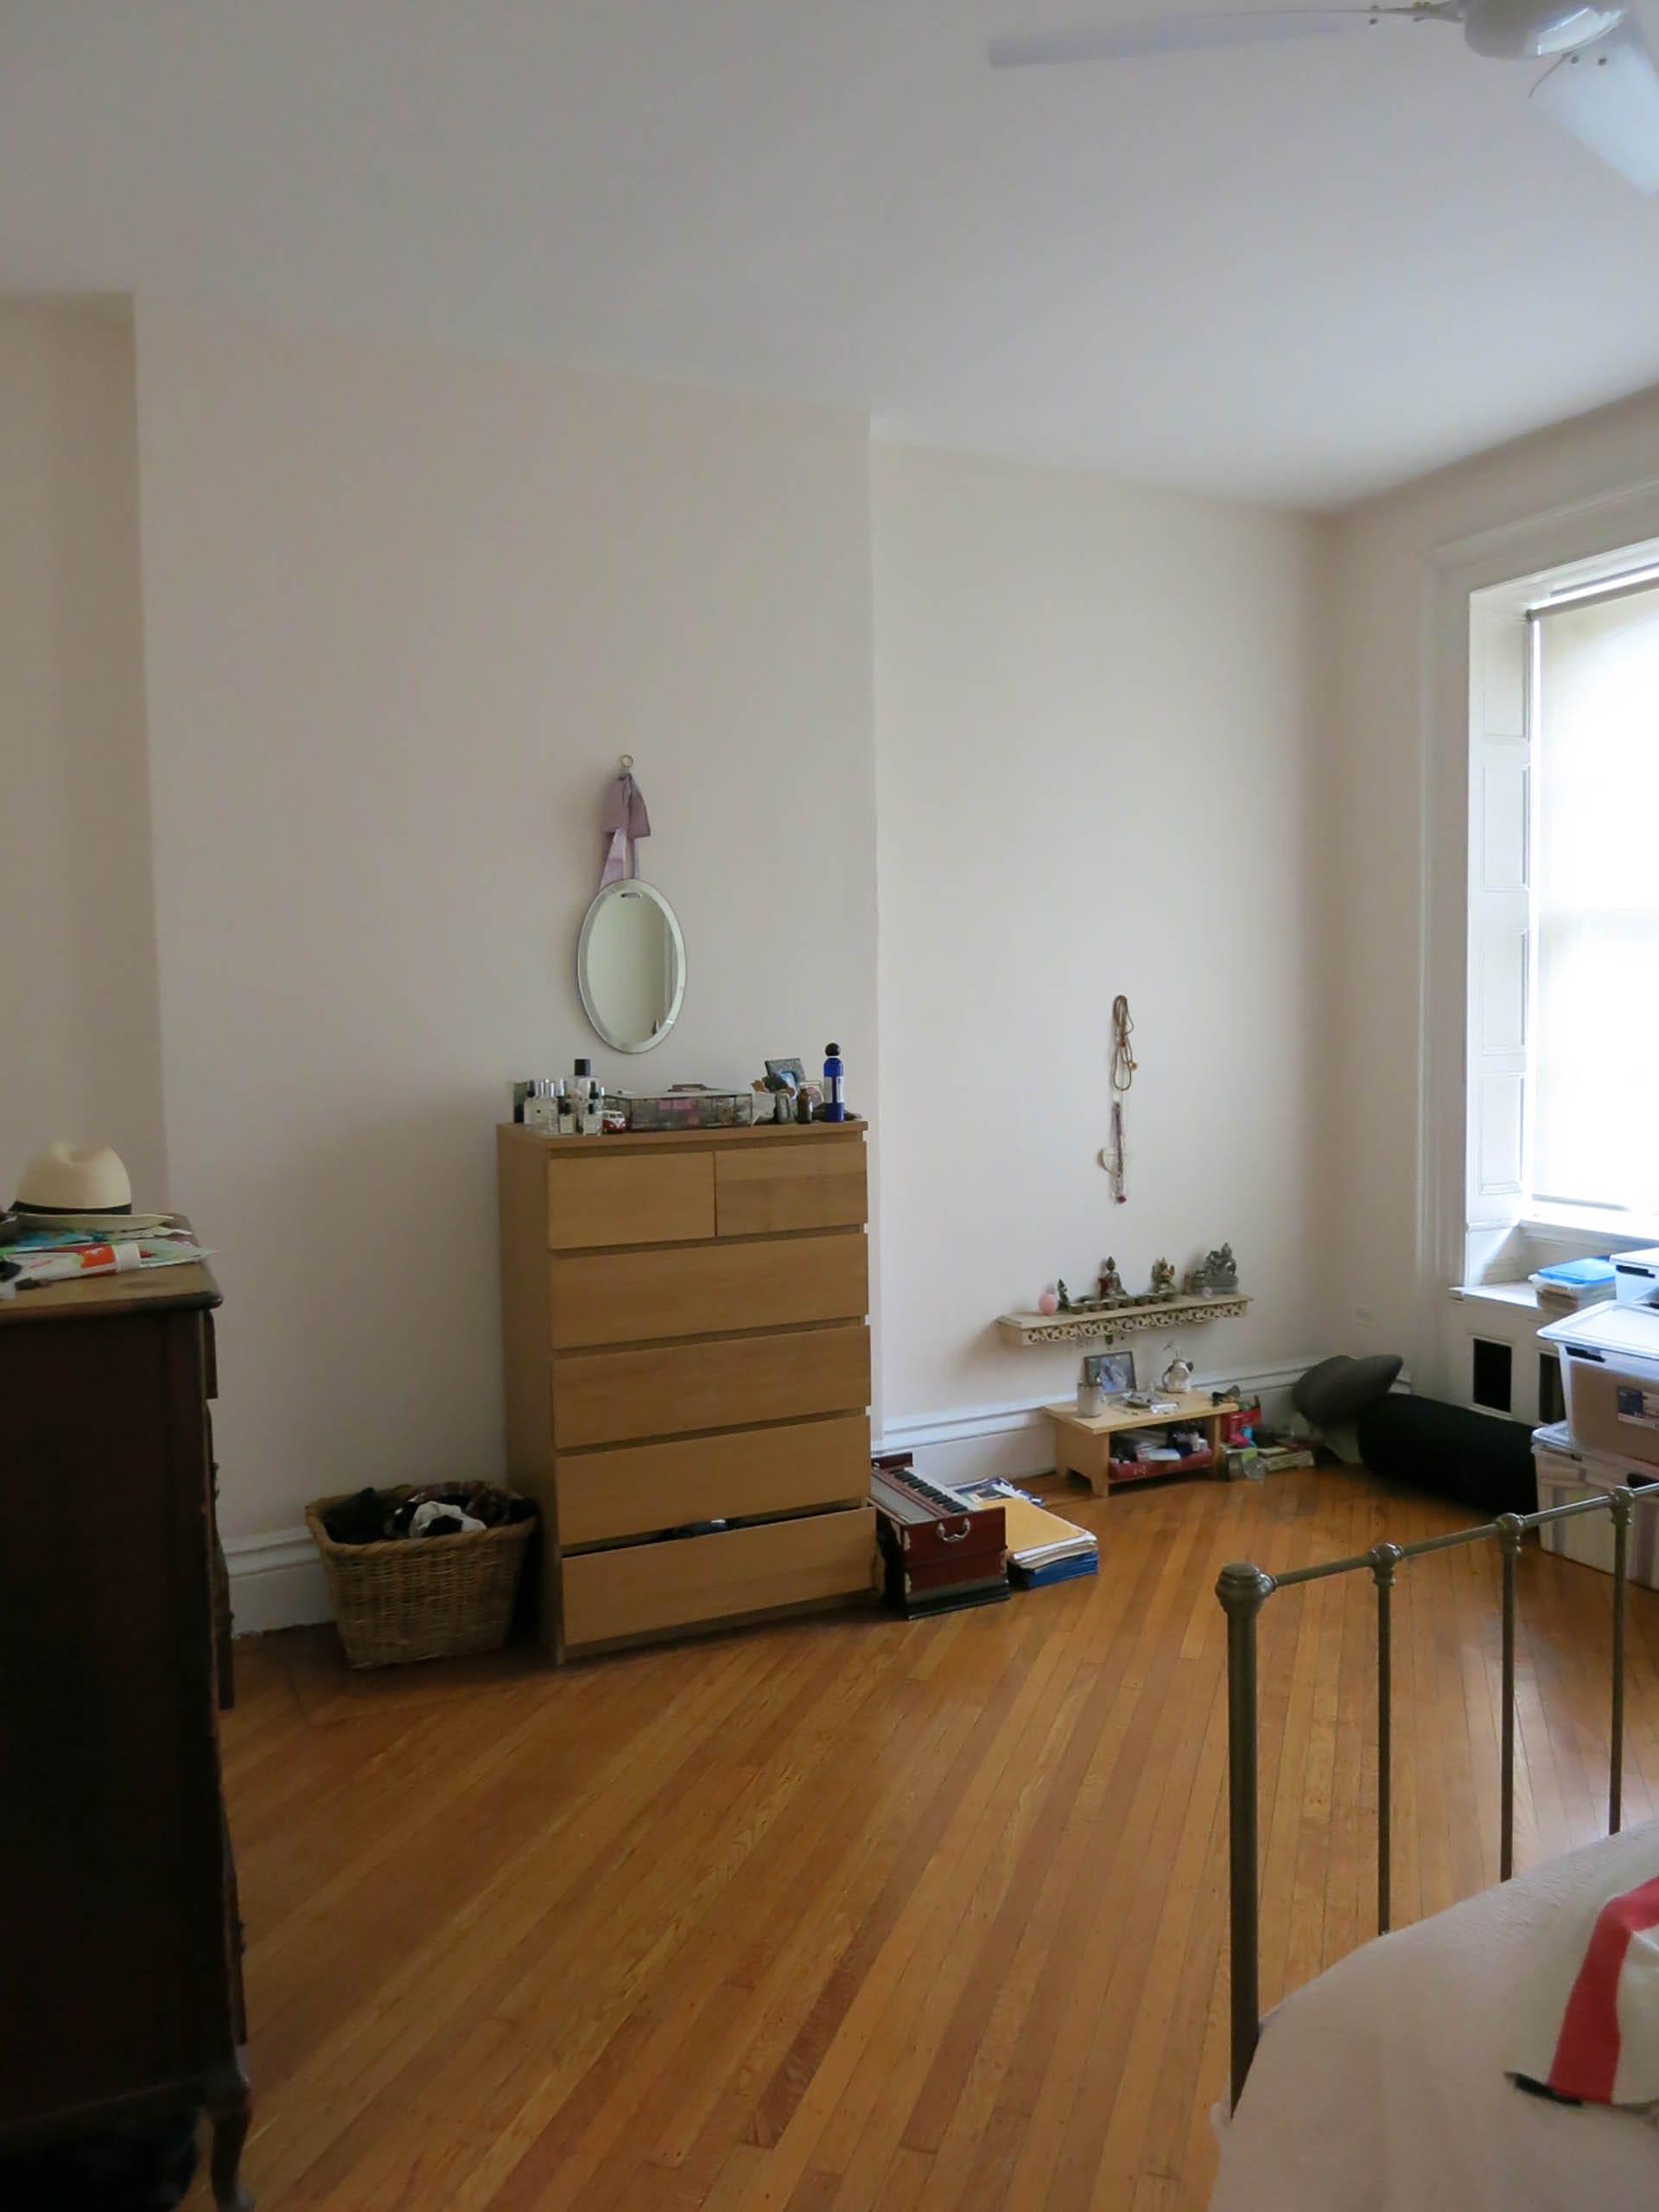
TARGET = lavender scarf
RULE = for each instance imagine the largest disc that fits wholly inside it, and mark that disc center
(622, 819)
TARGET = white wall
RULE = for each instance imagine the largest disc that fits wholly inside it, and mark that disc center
(78, 993)
(404, 610)
(1559, 496)
(1100, 761)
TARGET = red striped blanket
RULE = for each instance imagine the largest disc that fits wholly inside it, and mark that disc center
(1587, 2027)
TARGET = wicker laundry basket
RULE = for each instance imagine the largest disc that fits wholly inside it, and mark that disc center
(422, 1597)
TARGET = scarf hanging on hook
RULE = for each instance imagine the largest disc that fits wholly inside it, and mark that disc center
(1123, 1064)
(622, 820)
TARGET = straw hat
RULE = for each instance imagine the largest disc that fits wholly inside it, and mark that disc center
(72, 1186)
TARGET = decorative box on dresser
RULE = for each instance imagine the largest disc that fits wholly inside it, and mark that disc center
(686, 1340)
(120, 1951)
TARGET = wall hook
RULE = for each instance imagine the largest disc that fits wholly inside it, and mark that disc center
(627, 762)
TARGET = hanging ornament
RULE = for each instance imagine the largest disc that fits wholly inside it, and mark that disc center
(1113, 1157)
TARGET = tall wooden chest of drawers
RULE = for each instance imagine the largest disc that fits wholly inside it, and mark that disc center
(685, 1336)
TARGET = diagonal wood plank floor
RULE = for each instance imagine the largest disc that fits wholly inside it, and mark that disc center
(859, 1913)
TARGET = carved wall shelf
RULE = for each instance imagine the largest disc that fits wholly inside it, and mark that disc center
(1100, 1327)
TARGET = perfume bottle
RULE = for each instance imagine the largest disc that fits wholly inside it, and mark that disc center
(542, 1107)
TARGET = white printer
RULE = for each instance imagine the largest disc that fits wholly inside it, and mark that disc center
(1635, 1277)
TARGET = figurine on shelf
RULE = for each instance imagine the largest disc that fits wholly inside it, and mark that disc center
(1163, 1282)
(1218, 1276)
(1176, 1376)
(1111, 1284)
(1064, 1296)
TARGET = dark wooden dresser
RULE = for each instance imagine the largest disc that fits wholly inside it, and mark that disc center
(120, 1975)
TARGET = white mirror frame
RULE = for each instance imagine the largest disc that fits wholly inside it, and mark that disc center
(636, 886)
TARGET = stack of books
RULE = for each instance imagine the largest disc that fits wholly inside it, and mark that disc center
(1042, 1548)
(1280, 1458)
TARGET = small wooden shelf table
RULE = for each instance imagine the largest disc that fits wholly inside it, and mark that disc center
(1082, 1442)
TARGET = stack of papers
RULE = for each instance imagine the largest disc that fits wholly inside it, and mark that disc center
(1042, 1548)
(1576, 1282)
(34, 1253)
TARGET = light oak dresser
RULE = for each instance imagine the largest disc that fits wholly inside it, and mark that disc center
(684, 1321)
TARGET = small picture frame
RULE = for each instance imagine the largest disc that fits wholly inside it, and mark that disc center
(792, 1069)
(1112, 1373)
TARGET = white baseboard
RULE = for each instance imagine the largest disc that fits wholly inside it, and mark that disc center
(276, 1582)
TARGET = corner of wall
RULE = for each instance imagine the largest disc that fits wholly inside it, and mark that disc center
(79, 974)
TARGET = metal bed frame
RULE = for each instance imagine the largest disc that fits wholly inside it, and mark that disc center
(1244, 1589)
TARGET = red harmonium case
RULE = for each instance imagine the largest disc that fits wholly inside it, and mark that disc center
(937, 1552)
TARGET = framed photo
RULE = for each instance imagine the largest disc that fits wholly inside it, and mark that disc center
(1113, 1372)
(790, 1068)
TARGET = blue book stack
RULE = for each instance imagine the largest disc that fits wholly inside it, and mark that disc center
(1053, 1570)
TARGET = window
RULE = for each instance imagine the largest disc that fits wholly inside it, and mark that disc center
(1563, 952)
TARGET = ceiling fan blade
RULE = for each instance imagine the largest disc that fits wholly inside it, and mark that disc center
(1607, 95)
(1184, 34)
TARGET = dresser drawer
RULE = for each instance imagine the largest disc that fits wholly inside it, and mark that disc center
(630, 1491)
(647, 1198)
(815, 1183)
(624, 1397)
(619, 1297)
(645, 1589)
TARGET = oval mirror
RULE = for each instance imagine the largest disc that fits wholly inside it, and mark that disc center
(630, 966)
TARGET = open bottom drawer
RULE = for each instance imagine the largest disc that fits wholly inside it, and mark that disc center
(642, 1589)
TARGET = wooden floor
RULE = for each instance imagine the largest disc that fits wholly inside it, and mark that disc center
(861, 1913)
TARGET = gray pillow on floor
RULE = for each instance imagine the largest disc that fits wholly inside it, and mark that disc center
(1336, 1391)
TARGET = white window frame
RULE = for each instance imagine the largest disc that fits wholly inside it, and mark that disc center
(1597, 535)
(1502, 953)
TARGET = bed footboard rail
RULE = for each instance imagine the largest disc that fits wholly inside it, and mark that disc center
(1243, 1589)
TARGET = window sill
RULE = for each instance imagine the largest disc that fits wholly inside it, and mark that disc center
(1512, 1296)
(1551, 1223)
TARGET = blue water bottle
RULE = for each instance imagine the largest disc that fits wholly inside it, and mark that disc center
(835, 1084)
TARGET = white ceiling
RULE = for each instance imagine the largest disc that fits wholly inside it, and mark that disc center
(1293, 273)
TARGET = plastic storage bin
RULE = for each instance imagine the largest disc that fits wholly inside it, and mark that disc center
(691, 1109)
(1609, 1375)
(1567, 1472)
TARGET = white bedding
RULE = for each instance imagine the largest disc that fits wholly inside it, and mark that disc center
(1379, 2087)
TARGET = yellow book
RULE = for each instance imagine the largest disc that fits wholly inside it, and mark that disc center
(1035, 1534)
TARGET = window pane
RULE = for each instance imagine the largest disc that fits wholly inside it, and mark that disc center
(1596, 1130)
